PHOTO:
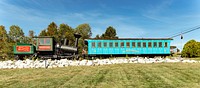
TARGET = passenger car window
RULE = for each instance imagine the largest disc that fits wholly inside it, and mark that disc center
(149, 44)
(144, 44)
(139, 44)
(116, 44)
(110, 44)
(133, 45)
(122, 44)
(128, 44)
(105, 44)
(166, 44)
(160, 44)
(155, 44)
(99, 44)
(93, 45)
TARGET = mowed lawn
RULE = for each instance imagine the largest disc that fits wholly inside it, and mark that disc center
(167, 75)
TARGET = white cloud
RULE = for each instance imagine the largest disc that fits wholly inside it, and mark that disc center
(26, 18)
(99, 22)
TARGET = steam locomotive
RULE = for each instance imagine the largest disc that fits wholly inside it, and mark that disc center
(46, 47)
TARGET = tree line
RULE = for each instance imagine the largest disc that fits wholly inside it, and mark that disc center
(63, 31)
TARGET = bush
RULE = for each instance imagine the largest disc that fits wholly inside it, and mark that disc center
(191, 49)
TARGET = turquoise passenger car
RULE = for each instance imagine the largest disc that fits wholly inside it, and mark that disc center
(129, 46)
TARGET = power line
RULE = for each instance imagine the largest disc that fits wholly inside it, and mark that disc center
(186, 31)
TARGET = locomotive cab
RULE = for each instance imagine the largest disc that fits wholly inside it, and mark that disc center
(45, 47)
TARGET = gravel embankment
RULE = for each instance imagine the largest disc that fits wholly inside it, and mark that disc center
(64, 62)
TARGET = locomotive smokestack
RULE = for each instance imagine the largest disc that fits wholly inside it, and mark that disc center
(65, 42)
(77, 36)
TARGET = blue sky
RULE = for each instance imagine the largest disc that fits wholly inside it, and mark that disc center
(131, 18)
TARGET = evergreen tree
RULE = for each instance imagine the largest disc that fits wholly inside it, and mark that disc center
(110, 33)
(5, 47)
(3, 33)
(43, 33)
(97, 37)
(52, 30)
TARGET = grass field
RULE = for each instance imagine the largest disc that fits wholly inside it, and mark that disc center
(196, 58)
(167, 75)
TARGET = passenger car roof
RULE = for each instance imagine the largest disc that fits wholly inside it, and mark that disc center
(134, 39)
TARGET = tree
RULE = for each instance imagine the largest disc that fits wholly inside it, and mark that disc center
(3, 33)
(31, 33)
(62, 30)
(67, 32)
(191, 49)
(85, 31)
(110, 33)
(5, 46)
(198, 48)
(52, 30)
(97, 37)
(16, 33)
(43, 33)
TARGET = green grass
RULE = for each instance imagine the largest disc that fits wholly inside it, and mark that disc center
(196, 58)
(167, 75)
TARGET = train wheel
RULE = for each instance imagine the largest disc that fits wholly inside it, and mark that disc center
(19, 57)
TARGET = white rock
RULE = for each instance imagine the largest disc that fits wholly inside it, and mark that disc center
(83, 62)
(60, 65)
(64, 62)
(50, 67)
(141, 61)
(89, 63)
(185, 61)
(113, 61)
(125, 61)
